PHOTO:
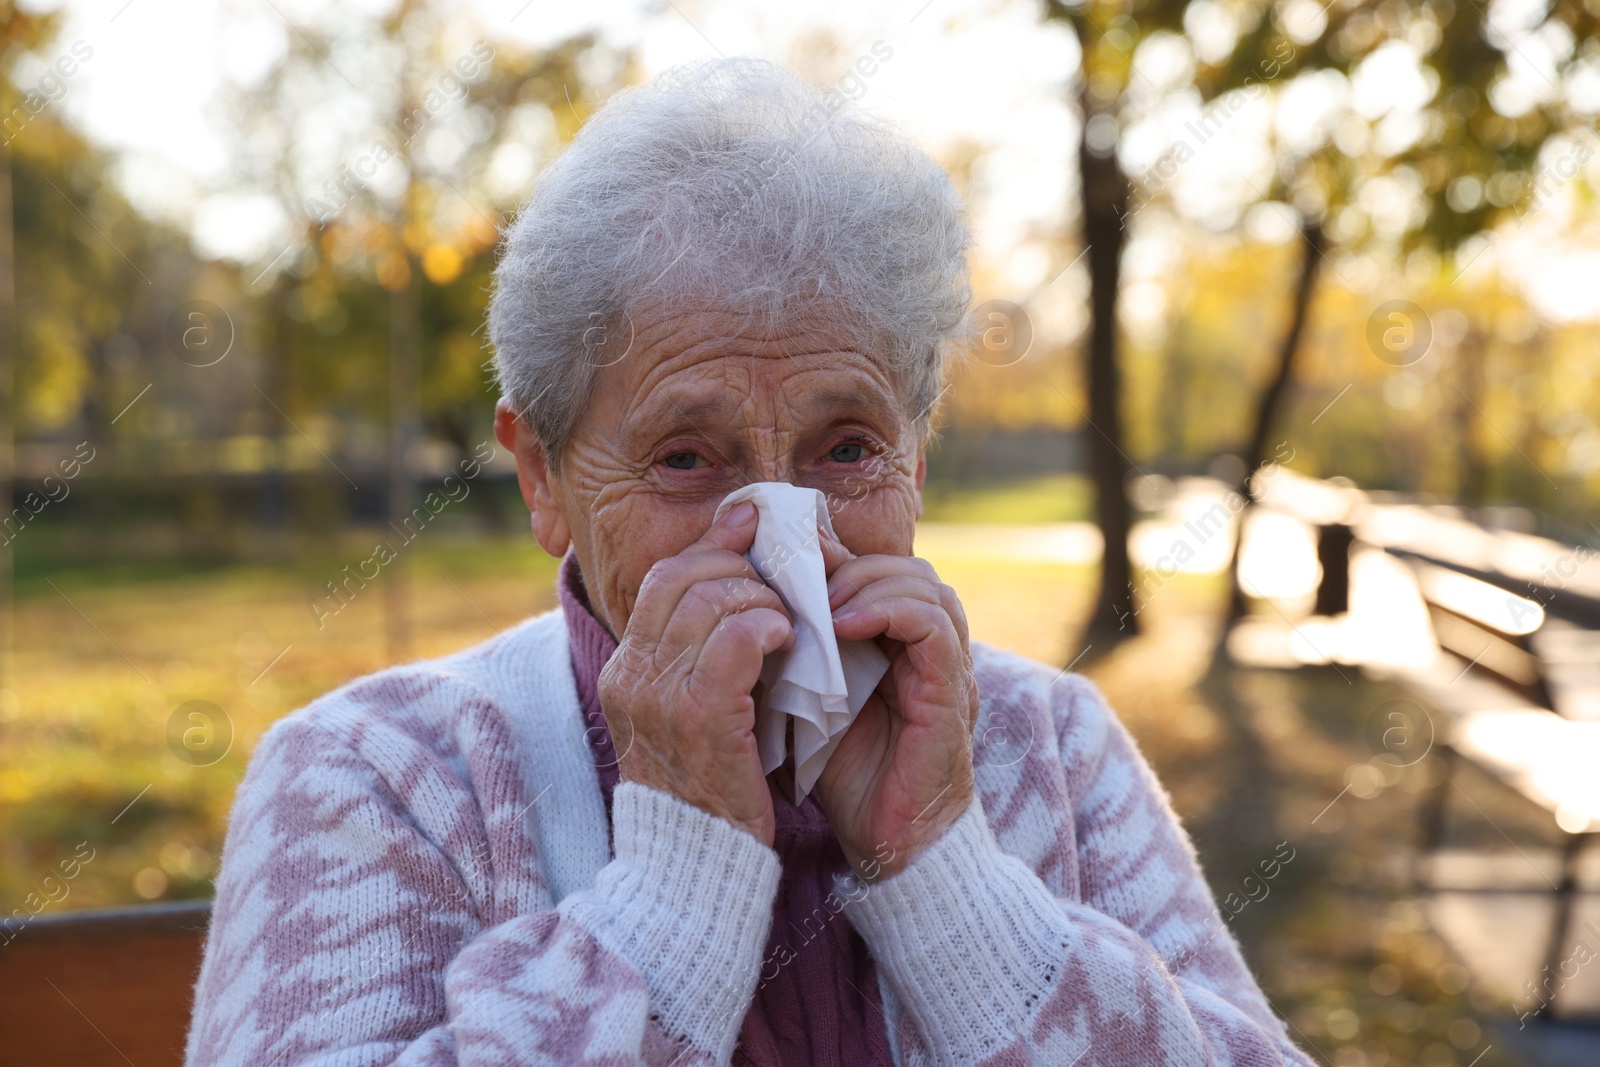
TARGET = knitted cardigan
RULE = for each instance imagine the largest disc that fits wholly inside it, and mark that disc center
(418, 870)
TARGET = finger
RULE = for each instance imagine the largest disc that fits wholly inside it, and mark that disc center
(861, 573)
(855, 574)
(834, 554)
(916, 587)
(735, 649)
(667, 582)
(716, 555)
(733, 532)
(926, 629)
(703, 606)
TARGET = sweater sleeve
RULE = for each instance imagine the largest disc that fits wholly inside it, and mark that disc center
(991, 968)
(349, 928)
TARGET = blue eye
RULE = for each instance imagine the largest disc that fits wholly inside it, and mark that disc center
(848, 452)
(682, 461)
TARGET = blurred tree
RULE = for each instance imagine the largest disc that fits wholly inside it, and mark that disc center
(1114, 92)
(71, 250)
(1467, 160)
(1107, 34)
(391, 143)
(20, 32)
(1463, 160)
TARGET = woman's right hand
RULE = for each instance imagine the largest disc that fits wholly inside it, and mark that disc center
(683, 672)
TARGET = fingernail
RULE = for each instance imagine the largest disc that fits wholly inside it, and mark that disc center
(742, 514)
(844, 614)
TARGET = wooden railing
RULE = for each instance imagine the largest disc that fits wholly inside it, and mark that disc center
(97, 988)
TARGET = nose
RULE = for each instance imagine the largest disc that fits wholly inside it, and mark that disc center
(768, 463)
(772, 472)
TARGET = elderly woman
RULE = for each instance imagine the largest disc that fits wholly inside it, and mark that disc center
(559, 847)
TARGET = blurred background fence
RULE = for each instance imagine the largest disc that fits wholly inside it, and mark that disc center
(1324, 273)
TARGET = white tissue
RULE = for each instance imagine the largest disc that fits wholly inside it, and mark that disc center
(822, 682)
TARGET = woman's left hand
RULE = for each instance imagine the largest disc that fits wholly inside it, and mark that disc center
(902, 773)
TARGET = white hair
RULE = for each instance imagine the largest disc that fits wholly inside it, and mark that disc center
(732, 184)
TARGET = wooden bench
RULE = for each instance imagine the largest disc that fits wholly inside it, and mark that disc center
(101, 988)
(1499, 716)
(1514, 695)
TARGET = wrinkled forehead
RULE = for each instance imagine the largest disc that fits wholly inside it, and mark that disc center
(768, 324)
(710, 358)
(688, 344)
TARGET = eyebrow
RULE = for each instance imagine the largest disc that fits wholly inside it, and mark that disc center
(705, 413)
(701, 409)
(849, 400)
(664, 408)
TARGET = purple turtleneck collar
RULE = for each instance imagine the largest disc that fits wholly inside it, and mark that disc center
(816, 1002)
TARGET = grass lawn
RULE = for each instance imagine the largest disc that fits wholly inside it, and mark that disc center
(104, 659)
(105, 656)
(1052, 498)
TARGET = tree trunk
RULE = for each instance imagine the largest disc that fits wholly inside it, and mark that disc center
(9, 343)
(1177, 382)
(272, 500)
(402, 388)
(1472, 472)
(1312, 242)
(1105, 204)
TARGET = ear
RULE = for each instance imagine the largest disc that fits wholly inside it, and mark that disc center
(922, 476)
(548, 515)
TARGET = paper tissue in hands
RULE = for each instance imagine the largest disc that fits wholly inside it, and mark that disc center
(822, 682)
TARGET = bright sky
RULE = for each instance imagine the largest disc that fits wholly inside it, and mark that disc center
(987, 73)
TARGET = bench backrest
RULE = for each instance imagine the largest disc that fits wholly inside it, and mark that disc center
(105, 987)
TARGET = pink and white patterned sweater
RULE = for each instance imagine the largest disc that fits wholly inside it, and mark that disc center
(418, 870)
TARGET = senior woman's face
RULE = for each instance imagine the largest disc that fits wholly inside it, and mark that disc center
(701, 405)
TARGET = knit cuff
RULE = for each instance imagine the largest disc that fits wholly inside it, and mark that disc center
(688, 901)
(969, 938)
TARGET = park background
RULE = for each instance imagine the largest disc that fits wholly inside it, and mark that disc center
(245, 250)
